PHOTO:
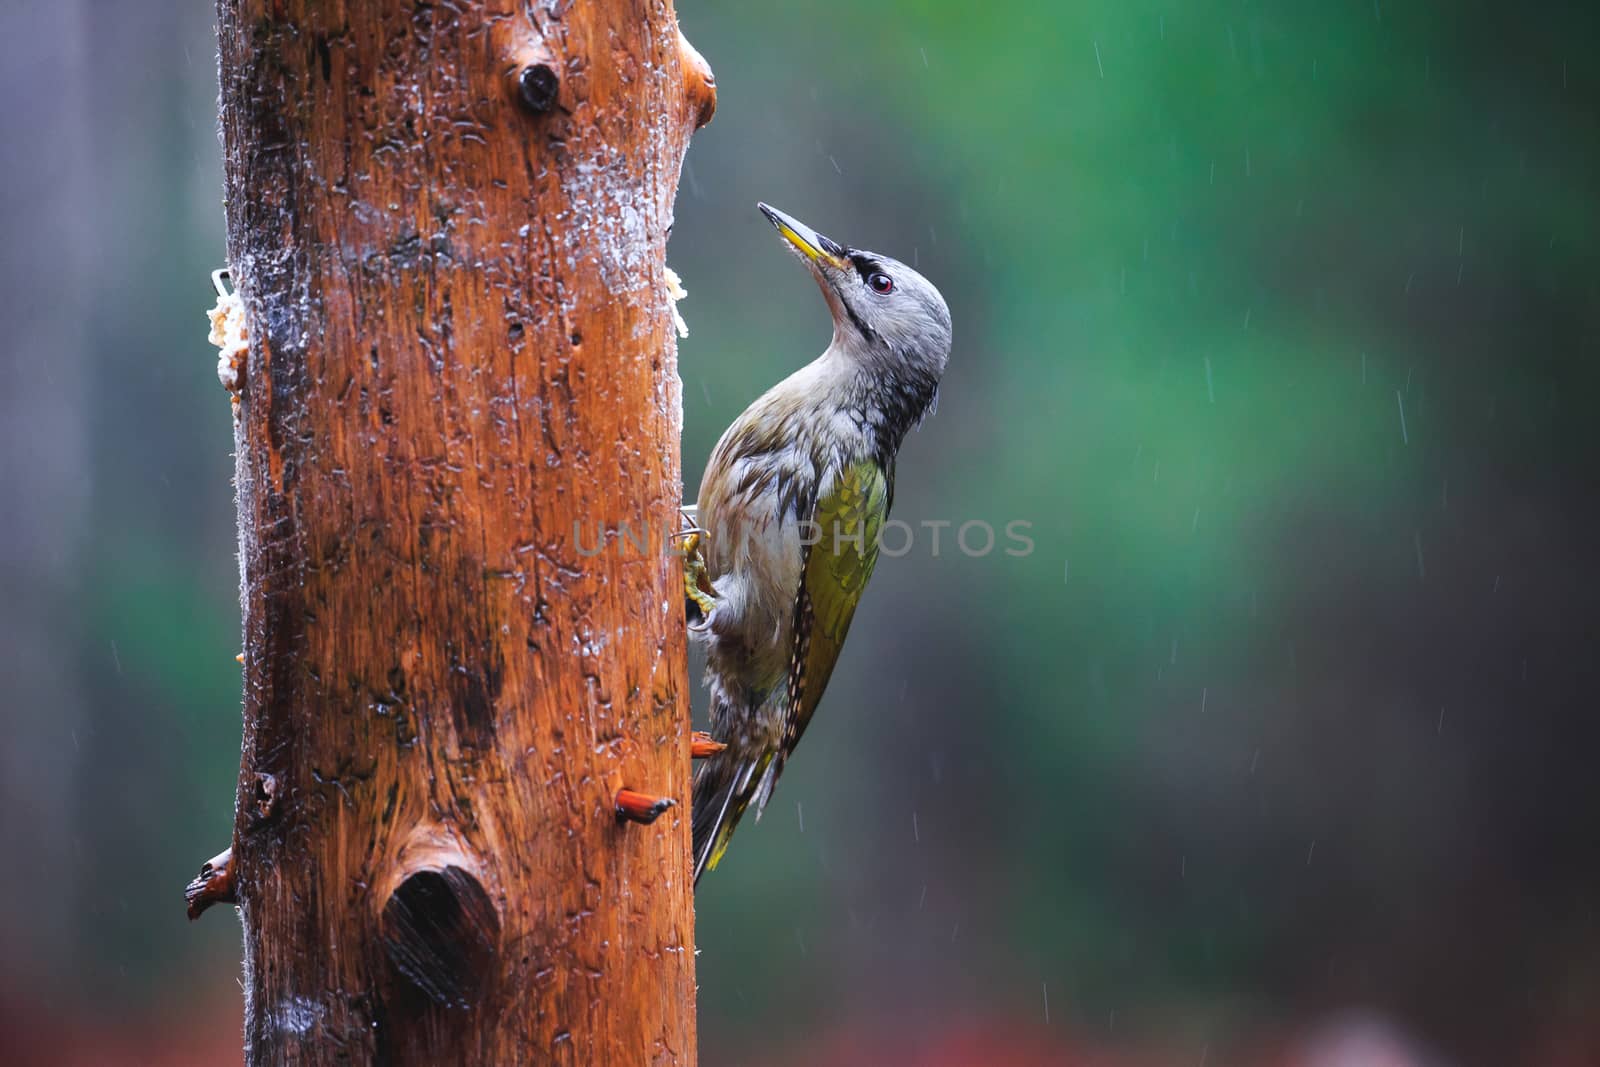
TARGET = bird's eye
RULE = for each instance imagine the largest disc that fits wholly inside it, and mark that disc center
(881, 283)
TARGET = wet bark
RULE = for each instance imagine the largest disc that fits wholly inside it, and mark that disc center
(447, 223)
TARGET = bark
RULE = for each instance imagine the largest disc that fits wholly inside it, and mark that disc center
(447, 222)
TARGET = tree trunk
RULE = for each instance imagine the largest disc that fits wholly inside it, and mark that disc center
(447, 222)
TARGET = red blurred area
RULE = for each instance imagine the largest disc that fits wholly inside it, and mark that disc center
(984, 1045)
(34, 1030)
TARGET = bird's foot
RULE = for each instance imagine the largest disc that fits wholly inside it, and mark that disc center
(699, 596)
(702, 745)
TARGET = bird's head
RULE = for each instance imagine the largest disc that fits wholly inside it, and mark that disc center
(883, 311)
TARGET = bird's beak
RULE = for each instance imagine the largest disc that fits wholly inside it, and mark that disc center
(808, 242)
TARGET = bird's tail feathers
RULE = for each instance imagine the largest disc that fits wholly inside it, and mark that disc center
(724, 787)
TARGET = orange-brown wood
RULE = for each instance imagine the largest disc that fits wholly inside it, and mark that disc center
(702, 745)
(641, 807)
(448, 224)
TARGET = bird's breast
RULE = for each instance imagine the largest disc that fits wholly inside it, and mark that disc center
(755, 511)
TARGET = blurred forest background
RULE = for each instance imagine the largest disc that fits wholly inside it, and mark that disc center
(1277, 322)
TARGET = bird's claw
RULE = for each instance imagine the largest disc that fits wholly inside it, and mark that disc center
(699, 596)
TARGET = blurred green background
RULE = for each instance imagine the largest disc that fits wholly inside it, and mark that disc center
(1278, 324)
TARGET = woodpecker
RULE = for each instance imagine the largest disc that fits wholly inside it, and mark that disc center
(790, 510)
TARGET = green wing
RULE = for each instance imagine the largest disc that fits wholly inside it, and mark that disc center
(848, 521)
